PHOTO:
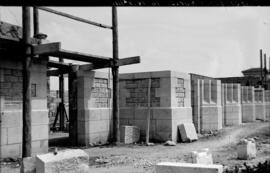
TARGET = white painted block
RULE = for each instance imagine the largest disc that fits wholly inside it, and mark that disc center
(246, 150)
(74, 160)
(187, 132)
(202, 157)
(171, 167)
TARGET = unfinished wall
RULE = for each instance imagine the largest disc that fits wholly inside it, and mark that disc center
(267, 104)
(94, 107)
(11, 108)
(259, 104)
(232, 104)
(211, 110)
(170, 102)
(248, 106)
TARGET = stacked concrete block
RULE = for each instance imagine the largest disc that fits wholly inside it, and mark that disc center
(246, 149)
(211, 110)
(171, 167)
(129, 134)
(94, 99)
(259, 104)
(170, 102)
(11, 107)
(267, 104)
(232, 104)
(248, 106)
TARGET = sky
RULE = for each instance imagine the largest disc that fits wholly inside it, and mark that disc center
(212, 41)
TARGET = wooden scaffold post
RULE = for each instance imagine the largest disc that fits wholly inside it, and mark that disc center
(115, 73)
(27, 137)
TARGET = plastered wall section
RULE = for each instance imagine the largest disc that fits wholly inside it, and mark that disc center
(259, 104)
(94, 107)
(11, 108)
(211, 110)
(248, 106)
(267, 104)
(196, 95)
(232, 104)
(170, 102)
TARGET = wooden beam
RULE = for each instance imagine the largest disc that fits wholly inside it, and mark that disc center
(74, 17)
(120, 62)
(128, 61)
(78, 56)
(57, 72)
(27, 133)
(115, 73)
(48, 48)
(57, 64)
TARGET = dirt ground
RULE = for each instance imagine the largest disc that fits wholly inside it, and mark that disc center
(141, 159)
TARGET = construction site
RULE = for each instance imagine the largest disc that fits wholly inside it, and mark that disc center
(160, 121)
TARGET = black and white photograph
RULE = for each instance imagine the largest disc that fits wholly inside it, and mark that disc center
(135, 87)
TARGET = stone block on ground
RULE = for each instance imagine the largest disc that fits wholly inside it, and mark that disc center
(28, 165)
(176, 167)
(202, 157)
(246, 149)
(73, 160)
(187, 132)
(129, 134)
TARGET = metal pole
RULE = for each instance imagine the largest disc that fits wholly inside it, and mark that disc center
(115, 73)
(27, 137)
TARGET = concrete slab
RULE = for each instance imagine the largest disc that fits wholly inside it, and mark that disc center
(187, 132)
(74, 160)
(171, 167)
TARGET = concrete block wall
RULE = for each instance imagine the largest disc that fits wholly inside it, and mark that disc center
(259, 104)
(247, 103)
(211, 110)
(267, 104)
(94, 113)
(232, 108)
(207, 110)
(170, 102)
(11, 108)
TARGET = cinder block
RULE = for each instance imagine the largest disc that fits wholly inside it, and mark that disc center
(187, 132)
(202, 157)
(129, 134)
(14, 135)
(246, 150)
(64, 161)
(40, 117)
(162, 114)
(13, 150)
(3, 136)
(40, 132)
(170, 167)
(11, 118)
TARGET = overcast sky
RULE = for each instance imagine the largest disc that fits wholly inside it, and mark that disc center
(213, 41)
